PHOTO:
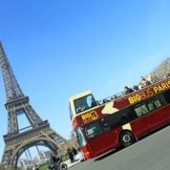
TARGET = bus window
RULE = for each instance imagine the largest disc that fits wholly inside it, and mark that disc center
(91, 101)
(138, 112)
(127, 115)
(93, 130)
(105, 125)
(113, 121)
(151, 106)
(144, 109)
(84, 103)
(141, 110)
(157, 103)
(160, 101)
(167, 96)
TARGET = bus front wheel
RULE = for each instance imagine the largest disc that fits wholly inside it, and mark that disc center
(127, 138)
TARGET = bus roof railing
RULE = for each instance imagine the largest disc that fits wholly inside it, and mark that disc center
(122, 93)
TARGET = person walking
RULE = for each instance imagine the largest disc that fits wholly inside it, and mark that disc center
(70, 154)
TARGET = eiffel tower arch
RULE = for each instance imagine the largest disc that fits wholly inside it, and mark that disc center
(38, 133)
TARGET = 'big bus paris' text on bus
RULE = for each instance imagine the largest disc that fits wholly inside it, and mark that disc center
(121, 120)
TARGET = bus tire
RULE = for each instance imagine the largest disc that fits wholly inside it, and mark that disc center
(126, 138)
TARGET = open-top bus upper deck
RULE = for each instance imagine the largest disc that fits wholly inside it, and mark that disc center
(84, 108)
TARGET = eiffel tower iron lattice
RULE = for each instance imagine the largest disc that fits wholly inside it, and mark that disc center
(38, 133)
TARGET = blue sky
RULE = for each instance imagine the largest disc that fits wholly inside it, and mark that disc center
(59, 48)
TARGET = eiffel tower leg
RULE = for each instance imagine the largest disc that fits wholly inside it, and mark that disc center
(42, 135)
(6, 158)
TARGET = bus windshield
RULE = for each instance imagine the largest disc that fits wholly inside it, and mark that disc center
(84, 103)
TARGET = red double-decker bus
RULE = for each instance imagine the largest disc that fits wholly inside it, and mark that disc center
(120, 120)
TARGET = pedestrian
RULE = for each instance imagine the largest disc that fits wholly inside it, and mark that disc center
(55, 159)
(144, 82)
(70, 154)
(135, 88)
(127, 90)
(74, 151)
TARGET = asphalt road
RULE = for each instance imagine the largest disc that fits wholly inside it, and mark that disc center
(150, 153)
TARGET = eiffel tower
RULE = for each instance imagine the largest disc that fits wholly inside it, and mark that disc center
(38, 133)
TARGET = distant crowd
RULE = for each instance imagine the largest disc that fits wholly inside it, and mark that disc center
(143, 83)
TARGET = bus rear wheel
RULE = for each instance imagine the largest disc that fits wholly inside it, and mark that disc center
(127, 138)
